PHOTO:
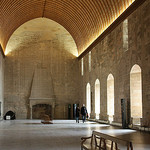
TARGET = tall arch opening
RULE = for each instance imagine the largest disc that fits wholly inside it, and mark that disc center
(88, 98)
(136, 94)
(110, 97)
(97, 98)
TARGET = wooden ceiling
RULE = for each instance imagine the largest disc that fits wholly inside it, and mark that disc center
(85, 20)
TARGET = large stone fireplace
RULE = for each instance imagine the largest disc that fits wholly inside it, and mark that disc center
(42, 98)
(39, 110)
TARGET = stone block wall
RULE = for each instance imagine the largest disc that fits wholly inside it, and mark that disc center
(110, 57)
(1, 85)
(19, 69)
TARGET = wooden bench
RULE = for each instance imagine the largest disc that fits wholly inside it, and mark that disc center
(101, 141)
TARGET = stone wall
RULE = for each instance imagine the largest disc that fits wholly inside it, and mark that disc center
(110, 56)
(19, 69)
(1, 84)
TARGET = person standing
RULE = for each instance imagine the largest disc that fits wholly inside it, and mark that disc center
(83, 113)
(77, 114)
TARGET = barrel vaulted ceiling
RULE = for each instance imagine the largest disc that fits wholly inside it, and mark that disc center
(85, 20)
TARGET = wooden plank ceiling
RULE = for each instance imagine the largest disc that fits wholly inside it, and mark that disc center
(85, 20)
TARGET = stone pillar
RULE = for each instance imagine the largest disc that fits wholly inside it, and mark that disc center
(31, 112)
(92, 115)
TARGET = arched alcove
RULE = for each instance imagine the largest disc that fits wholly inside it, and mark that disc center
(110, 97)
(136, 94)
(88, 98)
(41, 30)
(97, 98)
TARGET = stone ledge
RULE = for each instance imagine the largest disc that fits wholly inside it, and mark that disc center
(116, 124)
(140, 128)
(99, 121)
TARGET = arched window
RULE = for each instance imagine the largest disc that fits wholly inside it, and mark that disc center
(136, 94)
(97, 98)
(88, 98)
(82, 67)
(125, 34)
(89, 61)
(110, 97)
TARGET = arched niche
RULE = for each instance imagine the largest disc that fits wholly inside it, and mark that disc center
(88, 98)
(110, 97)
(97, 98)
(136, 94)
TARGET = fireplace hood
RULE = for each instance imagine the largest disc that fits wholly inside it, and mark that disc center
(42, 91)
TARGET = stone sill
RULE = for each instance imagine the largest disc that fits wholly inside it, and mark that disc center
(116, 124)
(138, 127)
(99, 121)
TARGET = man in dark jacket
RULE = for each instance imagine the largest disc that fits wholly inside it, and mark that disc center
(83, 113)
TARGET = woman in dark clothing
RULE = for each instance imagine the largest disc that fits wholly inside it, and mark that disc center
(83, 113)
(77, 114)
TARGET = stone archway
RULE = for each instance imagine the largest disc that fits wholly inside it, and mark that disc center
(97, 98)
(110, 97)
(136, 94)
(88, 98)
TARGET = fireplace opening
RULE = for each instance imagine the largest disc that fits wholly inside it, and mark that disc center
(39, 110)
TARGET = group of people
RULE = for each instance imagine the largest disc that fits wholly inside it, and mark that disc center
(83, 113)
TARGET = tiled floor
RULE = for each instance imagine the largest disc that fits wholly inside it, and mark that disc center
(61, 135)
